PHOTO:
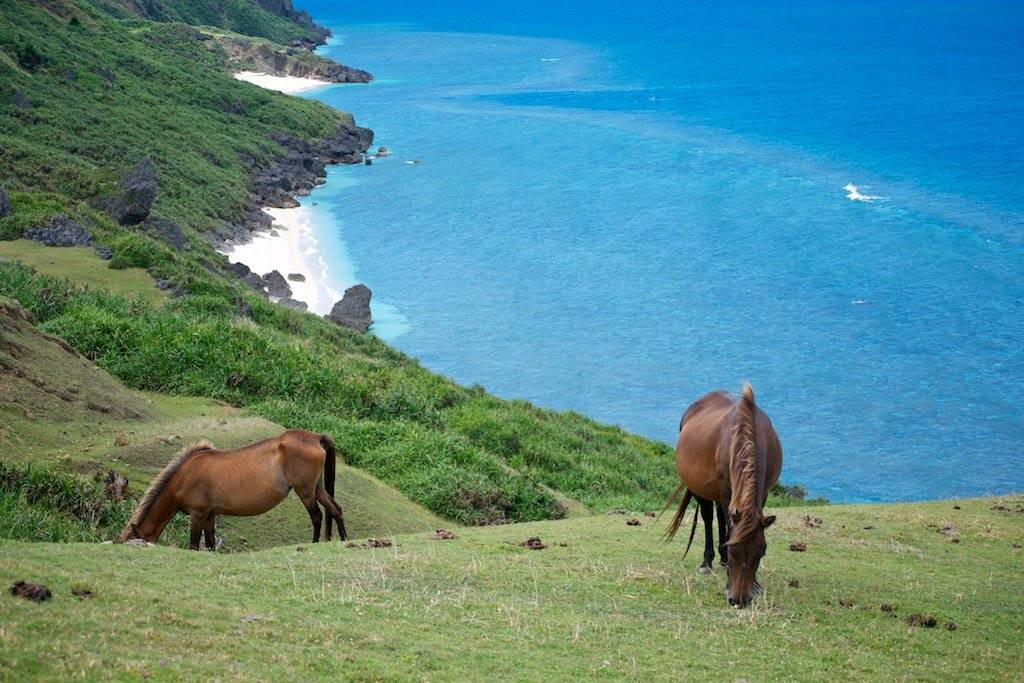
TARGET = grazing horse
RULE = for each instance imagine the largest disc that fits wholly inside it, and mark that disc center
(204, 482)
(728, 456)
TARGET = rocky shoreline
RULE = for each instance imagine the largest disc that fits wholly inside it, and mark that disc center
(302, 167)
(295, 173)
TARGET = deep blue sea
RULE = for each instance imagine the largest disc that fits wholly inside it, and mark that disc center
(620, 206)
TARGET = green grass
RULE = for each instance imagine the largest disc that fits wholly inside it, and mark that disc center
(82, 265)
(612, 603)
(241, 16)
(60, 411)
(171, 98)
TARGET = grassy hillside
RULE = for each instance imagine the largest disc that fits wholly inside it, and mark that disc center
(58, 409)
(613, 602)
(459, 452)
(102, 94)
(241, 16)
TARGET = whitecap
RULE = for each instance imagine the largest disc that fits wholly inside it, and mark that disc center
(853, 193)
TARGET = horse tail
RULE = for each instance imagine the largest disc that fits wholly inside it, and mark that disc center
(330, 463)
(677, 519)
(330, 469)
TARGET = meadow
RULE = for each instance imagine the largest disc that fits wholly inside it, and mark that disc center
(603, 600)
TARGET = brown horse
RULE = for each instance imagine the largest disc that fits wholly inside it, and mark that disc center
(203, 482)
(728, 455)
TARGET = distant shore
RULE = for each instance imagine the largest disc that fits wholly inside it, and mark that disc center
(288, 85)
(289, 243)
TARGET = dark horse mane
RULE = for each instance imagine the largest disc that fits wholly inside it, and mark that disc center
(743, 460)
(161, 481)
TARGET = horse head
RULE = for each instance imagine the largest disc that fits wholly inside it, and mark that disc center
(129, 532)
(745, 553)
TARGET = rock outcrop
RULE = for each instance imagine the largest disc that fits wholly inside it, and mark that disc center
(140, 188)
(20, 100)
(61, 231)
(288, 61)
(302, 167)
(5, 203)
(276, 284)
(353, 311)
(166, 231)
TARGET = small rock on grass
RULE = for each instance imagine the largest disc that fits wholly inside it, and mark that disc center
(950, 626)
(533, 543)
(651, 514)
(925, 620)
(633, 522)
(798, 547)
(379, 542)
(82, 593)
(794, 583)
(846, 602)
(443, 535)
(30, 591)
(887, 608)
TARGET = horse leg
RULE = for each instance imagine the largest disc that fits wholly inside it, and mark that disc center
(195, 533)
(707, 516)
(209, 531)
(723, 534)
(308, 499)
(333, 511)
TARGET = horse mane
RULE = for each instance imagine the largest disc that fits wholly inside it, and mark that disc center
(744, 460)
(161, 482)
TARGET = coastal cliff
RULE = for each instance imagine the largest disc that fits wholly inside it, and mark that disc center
(256, 55)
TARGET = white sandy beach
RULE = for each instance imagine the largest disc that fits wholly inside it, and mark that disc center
(286, 84)
(294, 249)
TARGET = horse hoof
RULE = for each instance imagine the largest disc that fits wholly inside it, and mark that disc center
(704, 569)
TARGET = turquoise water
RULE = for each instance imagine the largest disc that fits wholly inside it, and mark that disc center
(618, 209)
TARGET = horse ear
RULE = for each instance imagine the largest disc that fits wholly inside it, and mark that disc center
(768, 521)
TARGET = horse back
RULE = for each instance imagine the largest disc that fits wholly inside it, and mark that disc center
(699, 444)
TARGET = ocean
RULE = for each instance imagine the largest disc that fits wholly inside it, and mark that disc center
(618, 207)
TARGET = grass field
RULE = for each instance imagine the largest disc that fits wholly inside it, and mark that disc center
(613, 602)
(82, 265)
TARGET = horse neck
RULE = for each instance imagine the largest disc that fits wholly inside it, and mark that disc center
(160, 514)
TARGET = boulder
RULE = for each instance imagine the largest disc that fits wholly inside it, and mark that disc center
(239, 269)
(104, 252)
(276, 284)
(255, 282)
(291, 303)
(20, 100)
(5, 203)
(140, 188)
(353, 311)
(61, 231)
(296, 277)
(166, 231)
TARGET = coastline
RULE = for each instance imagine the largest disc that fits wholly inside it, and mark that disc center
(289, 85)
(291, 248)
(278, 233)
